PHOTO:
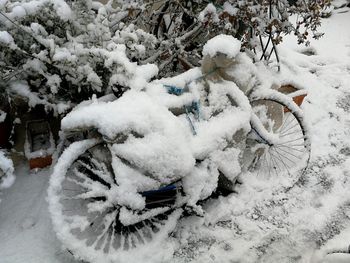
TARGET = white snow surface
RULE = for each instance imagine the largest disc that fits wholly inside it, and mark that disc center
(25, 226)
(271, 220)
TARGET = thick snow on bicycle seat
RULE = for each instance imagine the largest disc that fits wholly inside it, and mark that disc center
(219, 54)
(224, 44)
(155, 140)
(222, 60)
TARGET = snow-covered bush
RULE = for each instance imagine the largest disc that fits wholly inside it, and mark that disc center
(183, 27)
(273, 17)
(57, 53)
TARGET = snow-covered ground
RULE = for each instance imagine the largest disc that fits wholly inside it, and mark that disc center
(25, 228)
(267, 221)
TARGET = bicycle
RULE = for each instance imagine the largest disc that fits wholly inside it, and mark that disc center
(151, 156)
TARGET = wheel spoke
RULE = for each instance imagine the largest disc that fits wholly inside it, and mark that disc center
(290, 154)
(284, 164)
(274, 165)
(285, 157)
(103, 175)
(91, 218)
(285, 121)
(300, 138)
(292, 144)
(87, 182)
(296, 145)
(291, 148)
(108, 222)
(292, 132)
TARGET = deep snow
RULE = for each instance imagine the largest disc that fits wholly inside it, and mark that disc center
(264, 222)
(25, 228)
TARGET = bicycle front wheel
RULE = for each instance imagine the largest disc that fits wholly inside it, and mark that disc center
(290, 151)
(87, 221)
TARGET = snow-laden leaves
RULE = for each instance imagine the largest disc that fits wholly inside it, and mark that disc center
(65, 53)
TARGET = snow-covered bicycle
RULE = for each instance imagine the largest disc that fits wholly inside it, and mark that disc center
(153, 155)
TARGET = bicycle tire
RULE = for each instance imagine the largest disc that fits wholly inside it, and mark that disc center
(85, 224)
(292, 153)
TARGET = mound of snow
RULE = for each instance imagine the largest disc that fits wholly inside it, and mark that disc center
(223, 44)
(156, 139)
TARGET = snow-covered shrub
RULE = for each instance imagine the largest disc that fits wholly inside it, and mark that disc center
(273, 17)
(57, 53)
(183, 27)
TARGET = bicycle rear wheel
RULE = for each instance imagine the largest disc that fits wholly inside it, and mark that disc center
(290, 153)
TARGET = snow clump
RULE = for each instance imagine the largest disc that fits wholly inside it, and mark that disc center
(225, 44)
(6, 171)
(7, 40)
